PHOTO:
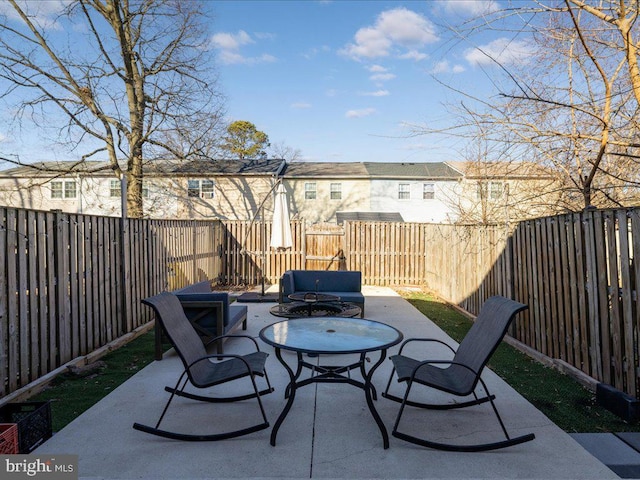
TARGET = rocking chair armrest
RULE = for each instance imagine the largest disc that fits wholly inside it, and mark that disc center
(233, 335)
(440, 362)
(409, 340)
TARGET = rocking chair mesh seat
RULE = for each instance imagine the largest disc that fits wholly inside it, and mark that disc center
(217, 373)
(203, 370)
(454, 379)
(459, 376)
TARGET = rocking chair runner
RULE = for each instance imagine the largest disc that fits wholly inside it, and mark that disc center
(459, 376)
(203, 370)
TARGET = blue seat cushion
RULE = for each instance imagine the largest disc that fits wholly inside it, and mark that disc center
(236, 314)
(352, 297)
(325, 281)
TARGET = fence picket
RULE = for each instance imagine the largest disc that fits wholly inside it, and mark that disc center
(72, 283)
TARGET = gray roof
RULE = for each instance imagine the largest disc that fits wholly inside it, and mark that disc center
(503, 170)
(49, 169)
(219, 167)
(161, 167)
(425, 170)
(325, 169)
(411, 170)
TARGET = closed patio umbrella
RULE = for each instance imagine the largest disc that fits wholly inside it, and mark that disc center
(281, 237)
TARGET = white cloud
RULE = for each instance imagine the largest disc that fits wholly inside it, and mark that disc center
(301, 105)
(377, 93)
(470, 8)
(43, 14)
(229, 45)
(264, 58)
(228, 57)
(332, 92)
(501, 50)
(415, 147)
(406, 27)
(376, 68)
(313, 52)
(393, 28)
(265, 36)
(365, 112)
(382, 77)
(230, 41)
(370, 43)
(413, 55)
(445, 67)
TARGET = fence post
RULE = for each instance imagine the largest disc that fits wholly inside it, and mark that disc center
(124, 269)
(194, 249)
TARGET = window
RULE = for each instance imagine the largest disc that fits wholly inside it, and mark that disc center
(70, 189)
(496, 189)
(193, 188)
(63, 189)
(56, 189)
(404, 191)
(428, 191)
(200, 188)
(336, 191)
(310, 191)
(115, 188)
(491, 190)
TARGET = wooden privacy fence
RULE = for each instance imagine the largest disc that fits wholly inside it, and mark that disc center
(71, 284)
(577, 272)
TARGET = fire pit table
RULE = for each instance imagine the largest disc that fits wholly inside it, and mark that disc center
(315, 305)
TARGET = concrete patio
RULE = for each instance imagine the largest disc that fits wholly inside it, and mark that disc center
(329, 432)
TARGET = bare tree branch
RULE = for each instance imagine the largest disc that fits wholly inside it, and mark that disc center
(132, 82)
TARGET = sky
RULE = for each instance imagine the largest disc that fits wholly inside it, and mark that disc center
(348, 81)
(344, 81)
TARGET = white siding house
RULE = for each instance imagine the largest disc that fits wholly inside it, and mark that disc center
(204, 189)
(317, 192)
(420, 192)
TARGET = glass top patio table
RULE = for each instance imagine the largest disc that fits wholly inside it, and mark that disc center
(331, 335)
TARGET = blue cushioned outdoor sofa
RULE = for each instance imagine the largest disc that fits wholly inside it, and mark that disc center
(344, 284)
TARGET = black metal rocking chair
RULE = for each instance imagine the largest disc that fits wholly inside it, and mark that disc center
(203, 370)
(458, 376)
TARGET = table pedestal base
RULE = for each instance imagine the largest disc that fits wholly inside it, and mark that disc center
(331, 374)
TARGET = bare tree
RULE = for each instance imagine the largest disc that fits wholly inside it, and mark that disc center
(285, 152)
(136, 79)
(573, 106)
(495, 189)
